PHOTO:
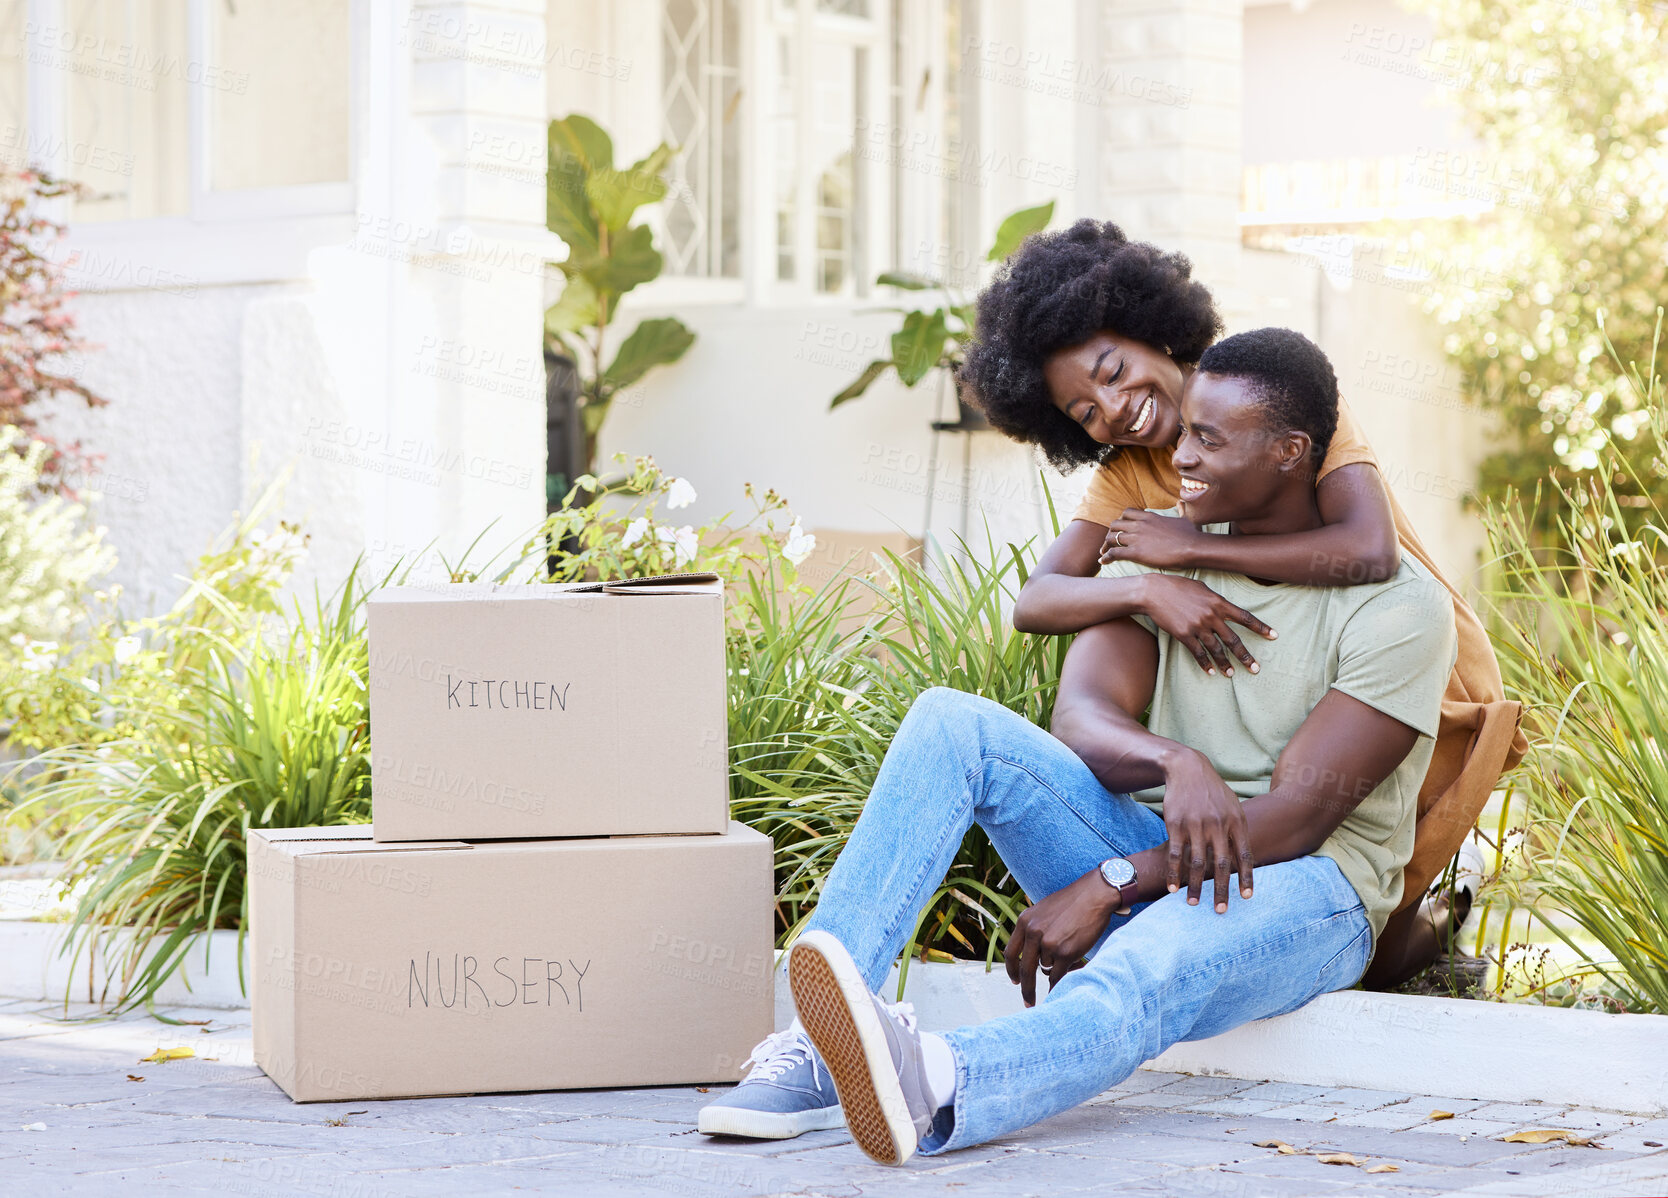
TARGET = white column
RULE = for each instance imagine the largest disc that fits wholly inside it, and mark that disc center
(1170, 150)
(455, 200)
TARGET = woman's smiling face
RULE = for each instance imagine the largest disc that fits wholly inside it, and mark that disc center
(1121, 391)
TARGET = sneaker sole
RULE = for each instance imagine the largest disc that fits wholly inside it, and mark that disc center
(839, 1016)
(766, 1125)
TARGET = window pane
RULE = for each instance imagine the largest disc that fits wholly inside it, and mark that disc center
(849, 8)
(784, 117)
(700, 98)
(126, 70)
(837, 80)
(895, 119)
(280, 108)
(960, 196)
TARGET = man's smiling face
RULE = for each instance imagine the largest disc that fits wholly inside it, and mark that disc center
(1233, 465)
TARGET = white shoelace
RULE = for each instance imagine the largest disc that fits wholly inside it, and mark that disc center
(903, 1012)
(779, 1052)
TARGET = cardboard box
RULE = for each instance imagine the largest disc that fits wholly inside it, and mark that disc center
(542, 710)
(400, 970)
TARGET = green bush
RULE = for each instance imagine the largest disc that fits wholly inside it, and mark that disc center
(265, 735)
(49, 554)
(1582, 636)
(813, 711)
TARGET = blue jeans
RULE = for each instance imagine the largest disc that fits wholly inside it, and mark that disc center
(1166, 972)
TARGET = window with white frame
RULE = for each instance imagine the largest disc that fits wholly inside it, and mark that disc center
(835, 96)
(829, 60)
(169, 108)
(700, 56)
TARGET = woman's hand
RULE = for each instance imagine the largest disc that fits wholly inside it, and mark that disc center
(1197, 617)
(1162, 542)
(1209, 835)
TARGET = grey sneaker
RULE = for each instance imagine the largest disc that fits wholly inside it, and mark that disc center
(786, 1094)
(872, 1048)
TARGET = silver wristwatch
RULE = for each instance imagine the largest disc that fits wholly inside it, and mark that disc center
(1119, 873)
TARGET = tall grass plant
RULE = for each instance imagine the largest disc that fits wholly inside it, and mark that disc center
(1581, 630)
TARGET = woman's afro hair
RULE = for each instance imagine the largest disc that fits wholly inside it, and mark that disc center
(1058, 290)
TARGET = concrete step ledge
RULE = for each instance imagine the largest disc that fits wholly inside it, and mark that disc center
(1505, 1052)
(1497, 1051)
(33, 966)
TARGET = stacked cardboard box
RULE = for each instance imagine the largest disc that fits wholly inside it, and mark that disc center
(550, 893)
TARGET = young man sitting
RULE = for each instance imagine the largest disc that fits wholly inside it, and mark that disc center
(1299, 777)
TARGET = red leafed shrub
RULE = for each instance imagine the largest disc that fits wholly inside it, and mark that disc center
(38, 337)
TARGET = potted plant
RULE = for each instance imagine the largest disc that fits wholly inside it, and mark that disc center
(589, 204)
(936, 338)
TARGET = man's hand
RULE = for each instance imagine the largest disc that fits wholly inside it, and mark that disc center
(1056, 932)
(1197, 617)
(1209, 834)
(1162, 542)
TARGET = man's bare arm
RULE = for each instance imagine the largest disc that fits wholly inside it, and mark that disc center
(1339, 755)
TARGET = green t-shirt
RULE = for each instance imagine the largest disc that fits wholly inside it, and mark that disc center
(1390, 645)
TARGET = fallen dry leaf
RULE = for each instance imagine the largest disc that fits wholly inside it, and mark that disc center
(134, 1077)
(1545, 1135)
(1382, 1169)
(1442, 1114)
(163, 1055)
(1339, 1158)
(1284, 1148)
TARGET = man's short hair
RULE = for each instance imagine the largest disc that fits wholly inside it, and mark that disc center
(1290, 378)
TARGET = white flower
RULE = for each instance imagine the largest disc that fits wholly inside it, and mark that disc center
(634, 532)
(126, 648)
(679, 493)
(684, 543)
(799, 544)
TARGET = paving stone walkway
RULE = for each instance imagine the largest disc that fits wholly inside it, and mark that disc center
(79, 1114)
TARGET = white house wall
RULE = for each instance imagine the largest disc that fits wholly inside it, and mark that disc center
(387, 353)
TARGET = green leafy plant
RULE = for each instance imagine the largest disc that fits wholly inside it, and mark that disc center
(618, 532)
(50, 554)
(1582, 637)
(1569, 108)
(813, 711)
(271, 732)
(107, 676)
(935, 338)
(589, 205)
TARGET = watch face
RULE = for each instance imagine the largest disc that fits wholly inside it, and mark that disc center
(1119, 871)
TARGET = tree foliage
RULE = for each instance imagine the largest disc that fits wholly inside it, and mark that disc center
(1570, 103)
(37, 331)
